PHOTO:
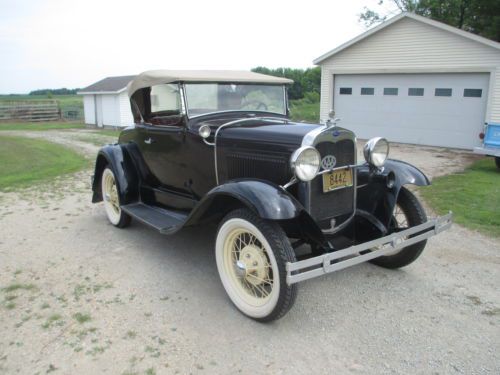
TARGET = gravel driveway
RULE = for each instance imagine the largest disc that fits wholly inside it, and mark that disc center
(82, 297)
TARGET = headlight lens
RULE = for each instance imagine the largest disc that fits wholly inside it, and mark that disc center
(376, 151)
(305, 163)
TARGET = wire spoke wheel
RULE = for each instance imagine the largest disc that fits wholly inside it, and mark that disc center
(250, 265)
(408, 212)
(251, 257)
(109, 190)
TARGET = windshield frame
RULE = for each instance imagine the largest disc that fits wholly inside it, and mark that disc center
(186, 104)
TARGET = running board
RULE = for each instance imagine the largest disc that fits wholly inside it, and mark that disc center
(163, 220)
(322, 264)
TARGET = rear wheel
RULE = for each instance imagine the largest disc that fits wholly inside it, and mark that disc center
(111, 199)
(251, 256)
(407, 213)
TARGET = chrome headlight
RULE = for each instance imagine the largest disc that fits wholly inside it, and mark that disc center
(305, 163)
(376, 151)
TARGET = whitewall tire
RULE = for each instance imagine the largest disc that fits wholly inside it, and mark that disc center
(111, 198)
(251, 256)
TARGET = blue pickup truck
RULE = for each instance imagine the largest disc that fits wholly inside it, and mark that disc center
(491, 142)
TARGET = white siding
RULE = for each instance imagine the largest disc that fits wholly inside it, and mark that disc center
(126, 118)
(89, 109)
(410, 46)
(110, 110)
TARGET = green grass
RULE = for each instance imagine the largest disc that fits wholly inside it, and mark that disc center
(473, 196)
(63, 100)
(40, 125)
(17, 286)
(82, 318)
(26, 161)
(304, 110)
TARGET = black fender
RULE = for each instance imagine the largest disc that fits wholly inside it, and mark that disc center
(379, 188)
(126, 177)
(267, 200)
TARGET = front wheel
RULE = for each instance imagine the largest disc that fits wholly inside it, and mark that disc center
(408, 212)
(251, 256)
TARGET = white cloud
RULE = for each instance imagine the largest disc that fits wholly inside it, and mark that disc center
(58, 43)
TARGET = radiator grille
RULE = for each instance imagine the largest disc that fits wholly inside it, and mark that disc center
(272, 167)
(338, 202)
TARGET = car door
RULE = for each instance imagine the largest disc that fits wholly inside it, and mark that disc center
(162, 139)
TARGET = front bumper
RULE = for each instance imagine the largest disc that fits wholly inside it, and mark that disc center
(321, 265)
(487, 151)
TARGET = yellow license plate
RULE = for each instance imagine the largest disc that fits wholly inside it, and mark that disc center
(337, 179)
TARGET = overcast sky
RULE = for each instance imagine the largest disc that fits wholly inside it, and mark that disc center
(62, 43)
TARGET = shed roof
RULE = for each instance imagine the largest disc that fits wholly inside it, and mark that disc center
(400, 16)
(156, 77)
(108, 85)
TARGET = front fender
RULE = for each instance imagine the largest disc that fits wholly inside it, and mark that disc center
(266, 199)
(377, 195)
(126, 177)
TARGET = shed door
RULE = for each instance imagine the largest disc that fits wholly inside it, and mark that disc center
(98, 110)
(429, 109)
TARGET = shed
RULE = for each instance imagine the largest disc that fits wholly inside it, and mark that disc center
(106, 103)
(414, 80)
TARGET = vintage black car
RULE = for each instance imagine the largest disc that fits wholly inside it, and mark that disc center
(291, 200)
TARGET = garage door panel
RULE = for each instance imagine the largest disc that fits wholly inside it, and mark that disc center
(451, 121)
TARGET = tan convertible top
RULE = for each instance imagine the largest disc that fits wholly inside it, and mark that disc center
(157, 77)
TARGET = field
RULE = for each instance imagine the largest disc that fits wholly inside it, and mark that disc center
(303, 110)
(26, 161)
(63, 100)
(473, 195)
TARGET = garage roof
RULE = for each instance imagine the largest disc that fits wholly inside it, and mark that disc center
(108, 85)
(156, 77)
(389, 22)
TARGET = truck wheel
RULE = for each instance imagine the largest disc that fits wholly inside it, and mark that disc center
(407, 213)
(497, 161)
(251, 255)
(111, 200)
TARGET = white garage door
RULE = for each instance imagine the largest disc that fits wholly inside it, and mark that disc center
(430, 109)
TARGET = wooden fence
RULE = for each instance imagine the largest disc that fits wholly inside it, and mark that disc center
(31, 111)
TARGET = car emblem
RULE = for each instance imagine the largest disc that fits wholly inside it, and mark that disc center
(328, 162)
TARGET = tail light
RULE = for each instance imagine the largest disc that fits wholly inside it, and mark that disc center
(481, 135)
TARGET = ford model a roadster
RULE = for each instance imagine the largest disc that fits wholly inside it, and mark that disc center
(291, 201)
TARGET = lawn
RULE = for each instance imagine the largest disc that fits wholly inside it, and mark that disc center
(473, 196)
(304, 110)
(40, 125)
(63, 100)
(26, 161)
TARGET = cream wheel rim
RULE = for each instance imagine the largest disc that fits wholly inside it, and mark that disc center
(110, 196)
(247, 267)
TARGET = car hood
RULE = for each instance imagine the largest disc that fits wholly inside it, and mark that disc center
(281, 135)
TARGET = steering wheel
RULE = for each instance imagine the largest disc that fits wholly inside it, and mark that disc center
(260, 106)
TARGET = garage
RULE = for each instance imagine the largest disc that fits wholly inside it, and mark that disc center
(429, 109)
(414, 80)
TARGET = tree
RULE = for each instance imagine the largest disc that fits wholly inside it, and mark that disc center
(304, 80)
(480, 17)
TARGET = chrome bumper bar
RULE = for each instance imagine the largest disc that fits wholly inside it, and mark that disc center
(320, 265)
(487, 151)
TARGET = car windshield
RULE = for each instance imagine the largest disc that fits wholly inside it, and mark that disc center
(205, 98)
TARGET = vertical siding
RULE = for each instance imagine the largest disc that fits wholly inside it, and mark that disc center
(126, 118)
(89, 109)
(110, 110)
(412, 46)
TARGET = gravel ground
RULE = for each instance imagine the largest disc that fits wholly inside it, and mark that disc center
(82, 297)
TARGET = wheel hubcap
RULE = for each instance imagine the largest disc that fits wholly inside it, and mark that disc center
(249, 266)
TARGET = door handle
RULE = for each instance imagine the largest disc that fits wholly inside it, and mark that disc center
(148, 141)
